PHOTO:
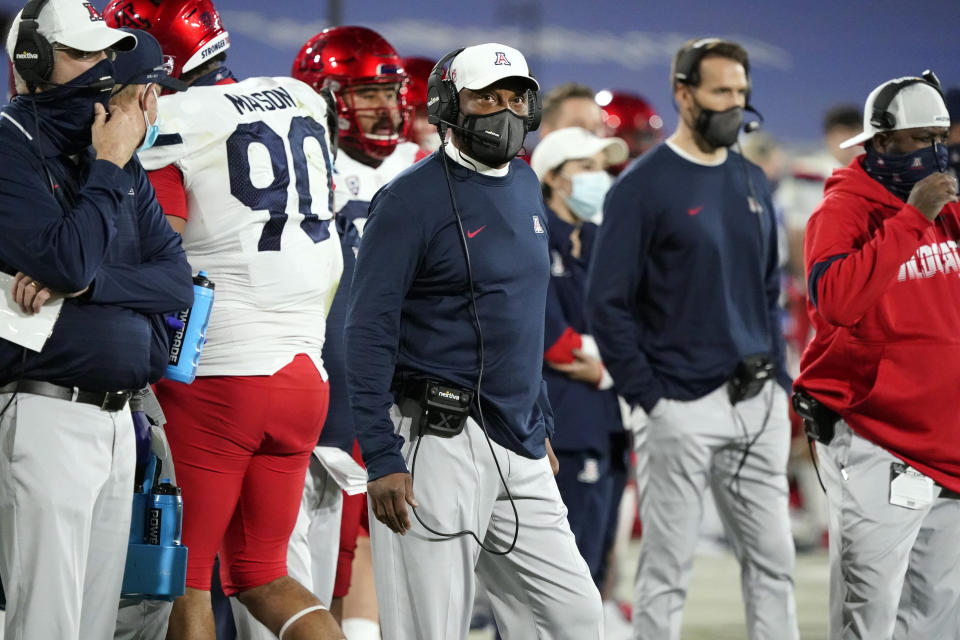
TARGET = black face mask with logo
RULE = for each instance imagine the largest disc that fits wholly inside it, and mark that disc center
(495, 138)
(899, 173)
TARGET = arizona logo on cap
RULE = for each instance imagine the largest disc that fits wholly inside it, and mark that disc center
(94, 14)
(502, 59)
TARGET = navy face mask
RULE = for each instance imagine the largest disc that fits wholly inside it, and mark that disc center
(899, 173)
(65, 113)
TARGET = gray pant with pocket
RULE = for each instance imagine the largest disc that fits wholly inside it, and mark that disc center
(894, 571)
(425, 586)
(699, 444)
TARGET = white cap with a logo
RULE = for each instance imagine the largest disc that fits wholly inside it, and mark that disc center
(76, 24)
(914, 106)
(481, 65)
(574, 143)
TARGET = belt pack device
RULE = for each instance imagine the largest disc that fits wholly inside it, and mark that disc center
(437, 408)
(751, 374)
(819, 421)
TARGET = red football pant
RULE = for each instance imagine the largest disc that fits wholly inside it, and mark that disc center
(241, 446)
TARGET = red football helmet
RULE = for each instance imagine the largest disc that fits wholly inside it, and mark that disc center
(632, 118)
(418, 70)
(189, 31)
(344, 58)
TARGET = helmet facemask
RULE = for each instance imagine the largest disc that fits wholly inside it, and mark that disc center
(373, 118)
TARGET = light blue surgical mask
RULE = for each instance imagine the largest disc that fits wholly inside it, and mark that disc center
(153, 130)
(589, 190)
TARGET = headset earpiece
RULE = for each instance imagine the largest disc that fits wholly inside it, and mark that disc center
(687, 69)
(33, 53)
(443, 103)
(534, 110)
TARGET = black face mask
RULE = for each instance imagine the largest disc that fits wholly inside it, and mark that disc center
(718, 128)
(899, 173)
(493, 139)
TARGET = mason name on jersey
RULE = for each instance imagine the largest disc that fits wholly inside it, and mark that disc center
(257, 168)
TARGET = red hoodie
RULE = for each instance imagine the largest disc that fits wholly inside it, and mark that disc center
(886, 354)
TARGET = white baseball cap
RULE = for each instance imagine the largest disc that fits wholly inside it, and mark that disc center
(75, 24)
(573, 143)
(481, 65)
(915, 105)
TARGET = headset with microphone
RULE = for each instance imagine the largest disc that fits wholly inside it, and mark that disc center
(687, 71)
(880, 116)
(443, 110)
(443, 105)
(33, 54)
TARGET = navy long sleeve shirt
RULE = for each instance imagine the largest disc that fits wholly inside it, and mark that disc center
(685, 279)
(410, 317)
(95, 223)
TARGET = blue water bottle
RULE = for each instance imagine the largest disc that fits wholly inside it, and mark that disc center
(165, 515)
(187, 342)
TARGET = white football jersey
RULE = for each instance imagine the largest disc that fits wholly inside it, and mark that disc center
(356, 184)
(257, 170)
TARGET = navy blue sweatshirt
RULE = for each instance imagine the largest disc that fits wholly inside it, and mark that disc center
(584, 415)
(409, 315)
(96, 223)
(685, 278)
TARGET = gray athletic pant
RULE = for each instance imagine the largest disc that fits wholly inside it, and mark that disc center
(698, 444)
(894, 571)
(425, 588)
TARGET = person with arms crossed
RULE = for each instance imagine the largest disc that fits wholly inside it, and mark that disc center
(447, 305)
(80, 223)
(877, 384)
(243, 170)
(682, 300)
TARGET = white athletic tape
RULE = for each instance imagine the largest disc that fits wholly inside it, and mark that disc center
(297, 616)
(360, 629)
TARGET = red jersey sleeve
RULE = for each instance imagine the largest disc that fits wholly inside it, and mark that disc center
(168, 183)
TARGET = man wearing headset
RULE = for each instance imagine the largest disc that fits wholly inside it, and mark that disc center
(877, 384)
(447, 304)
(79, 222)
(682, 300)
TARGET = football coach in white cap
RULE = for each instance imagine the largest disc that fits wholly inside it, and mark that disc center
(878, 382)
(445, 343)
